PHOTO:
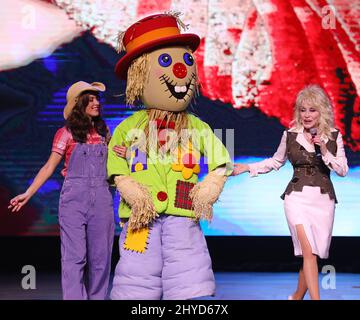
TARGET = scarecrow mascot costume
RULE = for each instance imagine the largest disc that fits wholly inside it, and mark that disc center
(163, 252)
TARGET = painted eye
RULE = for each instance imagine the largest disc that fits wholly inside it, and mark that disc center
(165, 60)
(188, 58)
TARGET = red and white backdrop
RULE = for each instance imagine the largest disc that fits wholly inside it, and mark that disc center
(253, 52)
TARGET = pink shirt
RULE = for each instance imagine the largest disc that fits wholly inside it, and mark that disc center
(64, 144)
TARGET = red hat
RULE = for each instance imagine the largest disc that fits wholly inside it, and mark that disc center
(152, 33)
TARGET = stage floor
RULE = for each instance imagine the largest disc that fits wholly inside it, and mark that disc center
(230, 286)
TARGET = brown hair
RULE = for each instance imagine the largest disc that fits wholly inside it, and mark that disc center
(80, 124)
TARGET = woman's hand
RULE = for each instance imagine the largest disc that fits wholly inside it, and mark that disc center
(240, 168)
(120, 151)
(19, 201)
(44, 173)
(317, 140)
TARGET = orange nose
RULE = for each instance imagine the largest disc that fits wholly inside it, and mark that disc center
(179, 70)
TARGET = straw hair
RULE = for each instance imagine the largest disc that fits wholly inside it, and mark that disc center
(137, 78)
(205, 193)
(181, 124)
(139, 198)
(176, 15)
(315, 96)
(120, 42)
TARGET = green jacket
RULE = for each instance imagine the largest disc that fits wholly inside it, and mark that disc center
(169, 181)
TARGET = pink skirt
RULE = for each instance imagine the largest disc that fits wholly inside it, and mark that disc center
(315, 211)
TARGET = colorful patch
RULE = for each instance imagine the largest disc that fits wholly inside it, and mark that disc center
(182, 199)
(139, 162)
(186, 163)
(136, 240)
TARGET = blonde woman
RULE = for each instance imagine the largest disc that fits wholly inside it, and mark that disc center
(314, 148)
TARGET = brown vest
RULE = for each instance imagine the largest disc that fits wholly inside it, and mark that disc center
(308, 169)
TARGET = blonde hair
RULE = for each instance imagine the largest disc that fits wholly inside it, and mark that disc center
(316, 97)
(137, 76)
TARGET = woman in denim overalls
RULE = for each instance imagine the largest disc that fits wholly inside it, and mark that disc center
(85, 207)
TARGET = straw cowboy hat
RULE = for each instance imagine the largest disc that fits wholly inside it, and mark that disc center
(74, 92)
(151, 33)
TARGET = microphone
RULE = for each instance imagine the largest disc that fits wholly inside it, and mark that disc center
(313, 132)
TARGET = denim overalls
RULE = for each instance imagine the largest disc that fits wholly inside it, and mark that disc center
(86, 219)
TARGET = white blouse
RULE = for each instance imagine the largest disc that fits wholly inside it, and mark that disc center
(336, 163)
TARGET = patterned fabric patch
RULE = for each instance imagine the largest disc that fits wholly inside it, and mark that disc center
(182, 199)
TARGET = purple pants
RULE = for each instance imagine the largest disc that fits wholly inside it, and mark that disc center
(86, 225)
(175, 266)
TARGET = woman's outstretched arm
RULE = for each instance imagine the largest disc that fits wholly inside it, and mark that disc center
(44, 173)
(274, 163)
